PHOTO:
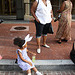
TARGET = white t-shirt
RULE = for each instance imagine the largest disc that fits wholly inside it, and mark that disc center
(43, 12)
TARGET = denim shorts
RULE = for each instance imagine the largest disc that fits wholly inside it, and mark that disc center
(41, 29)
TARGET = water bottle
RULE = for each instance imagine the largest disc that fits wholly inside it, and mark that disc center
(33, 58)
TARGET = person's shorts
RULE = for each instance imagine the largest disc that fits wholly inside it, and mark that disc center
(41, 29)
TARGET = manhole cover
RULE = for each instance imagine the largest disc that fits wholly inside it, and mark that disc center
(20, 28)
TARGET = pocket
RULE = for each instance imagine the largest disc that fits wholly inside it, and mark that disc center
(50, 29)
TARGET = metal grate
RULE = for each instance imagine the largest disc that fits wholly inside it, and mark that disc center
(20, 28)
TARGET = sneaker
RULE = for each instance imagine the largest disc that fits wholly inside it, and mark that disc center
(46, 46)
(38, 50)
(38, 73)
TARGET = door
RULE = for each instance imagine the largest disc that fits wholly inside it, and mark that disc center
(7, 7)
(55, 6)
(73, 11)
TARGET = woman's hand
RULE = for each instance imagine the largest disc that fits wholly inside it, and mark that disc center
(37, 20)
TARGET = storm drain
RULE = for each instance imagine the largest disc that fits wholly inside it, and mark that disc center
(20, 28)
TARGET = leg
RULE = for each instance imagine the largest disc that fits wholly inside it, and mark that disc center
(38, 42)
(44, 40)
(29, 72)
(37, 72)
(39, 29)
(45, 30)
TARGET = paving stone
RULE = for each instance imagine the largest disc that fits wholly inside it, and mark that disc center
(43, 72)
(56, 51)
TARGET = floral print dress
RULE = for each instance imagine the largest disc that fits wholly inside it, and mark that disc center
(64, 27)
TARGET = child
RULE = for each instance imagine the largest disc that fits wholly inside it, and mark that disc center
(24, 61)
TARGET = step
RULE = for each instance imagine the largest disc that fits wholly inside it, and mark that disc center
(53, 65)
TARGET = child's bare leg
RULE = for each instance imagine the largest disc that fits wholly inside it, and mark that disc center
(29, 72)
(34, 69)
(37, 72)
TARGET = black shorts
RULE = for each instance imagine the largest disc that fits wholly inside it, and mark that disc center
(41, 29)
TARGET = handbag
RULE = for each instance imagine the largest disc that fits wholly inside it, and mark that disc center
(72, 53)
(50, 29)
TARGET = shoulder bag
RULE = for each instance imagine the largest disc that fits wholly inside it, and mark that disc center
(72, 53)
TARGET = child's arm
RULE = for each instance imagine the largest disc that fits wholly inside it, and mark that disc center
(21, 57)
(31, 52)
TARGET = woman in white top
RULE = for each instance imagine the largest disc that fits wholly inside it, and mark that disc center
(42, 12)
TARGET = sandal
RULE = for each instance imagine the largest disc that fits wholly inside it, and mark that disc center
(59, 42)
(38, 50)
(46, 46)
(64, 40)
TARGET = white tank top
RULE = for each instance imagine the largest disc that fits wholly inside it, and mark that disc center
(43, 12)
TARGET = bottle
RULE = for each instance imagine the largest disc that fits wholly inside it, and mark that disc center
(33, 58)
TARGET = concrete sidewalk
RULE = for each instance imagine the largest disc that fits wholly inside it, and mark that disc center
(46, 67)
(43, 72)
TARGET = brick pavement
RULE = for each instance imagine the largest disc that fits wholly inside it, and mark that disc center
(56, 51)
(43, 72)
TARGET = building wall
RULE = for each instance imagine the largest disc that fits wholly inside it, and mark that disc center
(21, 8)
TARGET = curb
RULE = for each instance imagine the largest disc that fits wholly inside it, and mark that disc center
(53, 65)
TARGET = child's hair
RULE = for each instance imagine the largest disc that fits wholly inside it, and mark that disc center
(19, 42)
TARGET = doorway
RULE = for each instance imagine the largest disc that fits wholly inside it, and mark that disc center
(73, 11)
(7, 7)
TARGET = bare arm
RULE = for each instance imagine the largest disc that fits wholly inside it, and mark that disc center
(52, 16)
(21, 57)
(31, 52)
(33, 9)
(51, 10)
(61, 8)
(52, 13)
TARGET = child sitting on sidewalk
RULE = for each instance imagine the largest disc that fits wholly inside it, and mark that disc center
(24, 61)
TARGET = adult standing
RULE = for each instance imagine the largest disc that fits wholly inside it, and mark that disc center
(64, 27)
(42, 12)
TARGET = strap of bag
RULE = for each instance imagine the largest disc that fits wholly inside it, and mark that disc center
(73, 46)
(38, 2)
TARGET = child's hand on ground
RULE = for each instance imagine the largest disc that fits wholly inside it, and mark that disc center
(29, 63)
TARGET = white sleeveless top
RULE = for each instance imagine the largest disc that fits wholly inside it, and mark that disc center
(43, 12)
